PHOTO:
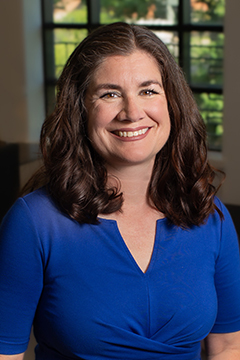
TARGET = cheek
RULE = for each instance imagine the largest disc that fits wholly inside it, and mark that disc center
(161, 116)
(99, 118)
(166, 116)
(96, 127)
(94, 122)
(159, 107)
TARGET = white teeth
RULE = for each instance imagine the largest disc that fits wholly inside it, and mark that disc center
(131, 133)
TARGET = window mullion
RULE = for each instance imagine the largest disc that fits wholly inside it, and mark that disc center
(94, 8)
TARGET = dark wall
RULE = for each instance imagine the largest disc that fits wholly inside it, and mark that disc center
(235, 213)
(9, 176)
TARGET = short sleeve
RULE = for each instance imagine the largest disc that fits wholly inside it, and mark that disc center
(21, 278)
(227, 278)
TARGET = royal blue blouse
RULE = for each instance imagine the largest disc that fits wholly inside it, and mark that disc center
(80, 287)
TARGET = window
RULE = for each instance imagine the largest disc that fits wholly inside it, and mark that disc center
(192, 30)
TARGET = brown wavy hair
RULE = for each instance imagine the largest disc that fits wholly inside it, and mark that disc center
(181, 185)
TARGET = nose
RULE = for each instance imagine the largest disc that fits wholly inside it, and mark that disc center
(131, 110)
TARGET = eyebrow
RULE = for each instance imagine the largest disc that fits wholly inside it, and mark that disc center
(151, 82)
(108, 86)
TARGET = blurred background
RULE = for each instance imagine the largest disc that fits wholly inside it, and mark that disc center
(39, 35)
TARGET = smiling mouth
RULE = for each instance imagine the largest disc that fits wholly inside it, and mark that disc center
(129, 134)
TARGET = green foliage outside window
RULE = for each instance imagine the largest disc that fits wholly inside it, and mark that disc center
(132, 9)
(211, 107)
(206, 53)
(213, 13)
(77, 16)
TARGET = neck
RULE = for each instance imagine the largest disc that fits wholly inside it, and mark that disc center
(134, 182)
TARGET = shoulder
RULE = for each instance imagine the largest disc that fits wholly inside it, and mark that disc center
(226, 221)
(35, 225)
(38, 199)
(228, 238)
(215, 235)
(32, 212)
(221, 206)
(214, 219)
(40, 205)
(223, 227)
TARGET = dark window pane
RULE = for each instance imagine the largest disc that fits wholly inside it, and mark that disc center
(143, 12)
(71, 11)
(207, 11)
(65, 41)
(205, 59)
(211, 108)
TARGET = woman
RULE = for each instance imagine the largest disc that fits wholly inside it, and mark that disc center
(124, 253)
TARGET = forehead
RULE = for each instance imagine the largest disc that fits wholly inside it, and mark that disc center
(138, 63)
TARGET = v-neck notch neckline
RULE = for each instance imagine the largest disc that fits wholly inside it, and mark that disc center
(127, 250)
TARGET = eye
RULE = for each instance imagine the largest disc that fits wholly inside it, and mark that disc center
(148, 92)
(109, 95)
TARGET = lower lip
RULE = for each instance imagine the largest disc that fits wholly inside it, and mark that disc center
(133, 138)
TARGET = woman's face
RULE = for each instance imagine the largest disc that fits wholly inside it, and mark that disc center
(128, 119)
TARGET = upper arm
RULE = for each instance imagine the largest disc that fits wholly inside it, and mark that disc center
(224, 340)
(12, 357)
(227, 279)
(21, 279)
(216, 344)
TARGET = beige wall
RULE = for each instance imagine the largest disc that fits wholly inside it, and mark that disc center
(231, 149)
(21, 71)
